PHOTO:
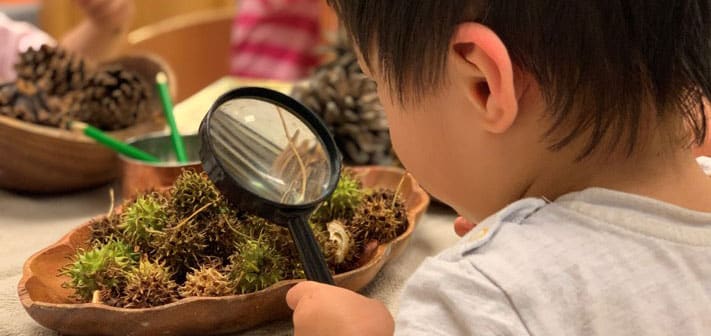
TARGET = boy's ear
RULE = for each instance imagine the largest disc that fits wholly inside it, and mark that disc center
(489, 75)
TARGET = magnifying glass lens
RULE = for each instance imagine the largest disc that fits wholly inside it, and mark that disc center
(270, 151)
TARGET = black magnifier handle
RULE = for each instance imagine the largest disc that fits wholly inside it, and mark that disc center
(312, 258)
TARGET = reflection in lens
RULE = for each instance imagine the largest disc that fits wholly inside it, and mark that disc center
(269, 151)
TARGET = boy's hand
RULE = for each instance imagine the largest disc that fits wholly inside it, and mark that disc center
(323, 310)
(113, 15)
(462, 226)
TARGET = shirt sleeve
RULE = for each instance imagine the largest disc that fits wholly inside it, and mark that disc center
(454, 298)
(16, 37)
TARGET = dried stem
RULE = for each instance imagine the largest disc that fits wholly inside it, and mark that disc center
(194, 214)
(113, 202)
(399, 187)
(296, 153)
(96, 295)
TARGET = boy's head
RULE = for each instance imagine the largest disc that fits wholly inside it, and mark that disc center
(486, 99)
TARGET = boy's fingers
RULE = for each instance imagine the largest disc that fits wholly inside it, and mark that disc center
(298, 292)
(462, 226)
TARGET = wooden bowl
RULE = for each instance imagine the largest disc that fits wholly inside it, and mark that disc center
(41, 159)
(49, 304)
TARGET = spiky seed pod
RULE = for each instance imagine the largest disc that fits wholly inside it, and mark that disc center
(104, 229)
(256, 265)
(148, 285)
(345, 199)
(102, 268)
(347, 100)
(206, 281)
(180, 246)
(53, 70)
(143, 218)
(221, 233)
(255, 227)
(112, 99)
(379, 218)
(194, 192)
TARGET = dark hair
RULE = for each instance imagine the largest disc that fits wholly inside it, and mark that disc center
(606, 68)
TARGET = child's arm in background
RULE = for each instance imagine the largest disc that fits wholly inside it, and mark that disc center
(103, 31)
(16, 37)
(321, 310)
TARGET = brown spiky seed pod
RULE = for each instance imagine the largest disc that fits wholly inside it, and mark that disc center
(221, 232)
(206, 281)
(104, 229)
(347, 100)
(52, 69)
(112, 99)
(148, 285)
(379, 217)
(181, 246)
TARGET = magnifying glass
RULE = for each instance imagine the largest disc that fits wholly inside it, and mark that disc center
(270, 155)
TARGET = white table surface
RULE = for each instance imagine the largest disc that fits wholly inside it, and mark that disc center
(30, 223)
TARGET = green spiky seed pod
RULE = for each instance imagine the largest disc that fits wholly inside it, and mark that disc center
(193, 192)
(381, 216)
(180, 246)
(279, 236)
(206, 281)
(101, 268)
(256, 265)
(148, 285)
(345, 199)
(143, 218)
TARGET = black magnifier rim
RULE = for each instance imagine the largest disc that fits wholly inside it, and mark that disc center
(224, 181)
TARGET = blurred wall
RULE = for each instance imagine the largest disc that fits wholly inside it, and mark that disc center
(59, 16)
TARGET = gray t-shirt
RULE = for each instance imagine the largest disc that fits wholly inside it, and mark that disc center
(595, 262)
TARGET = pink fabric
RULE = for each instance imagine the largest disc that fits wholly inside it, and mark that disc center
(275, 39)
(16, 37)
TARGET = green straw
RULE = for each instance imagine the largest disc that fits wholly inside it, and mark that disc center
(112, 143)
(162, 83)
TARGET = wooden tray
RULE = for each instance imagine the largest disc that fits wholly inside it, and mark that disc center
(49, 304)
(41, 159)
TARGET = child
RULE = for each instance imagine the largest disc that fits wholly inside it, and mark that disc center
(96, 38)
(275, 39)
(564, 129)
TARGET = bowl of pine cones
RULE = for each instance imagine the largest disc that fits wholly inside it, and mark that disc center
(181, 261)
(53, 87)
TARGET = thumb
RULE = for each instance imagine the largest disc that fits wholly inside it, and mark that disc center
(298, 292)
(462, 226)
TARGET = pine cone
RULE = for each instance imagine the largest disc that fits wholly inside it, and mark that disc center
(112, 99)
(24, 101)
(206, 281)
(53, 70)
(346, 99)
